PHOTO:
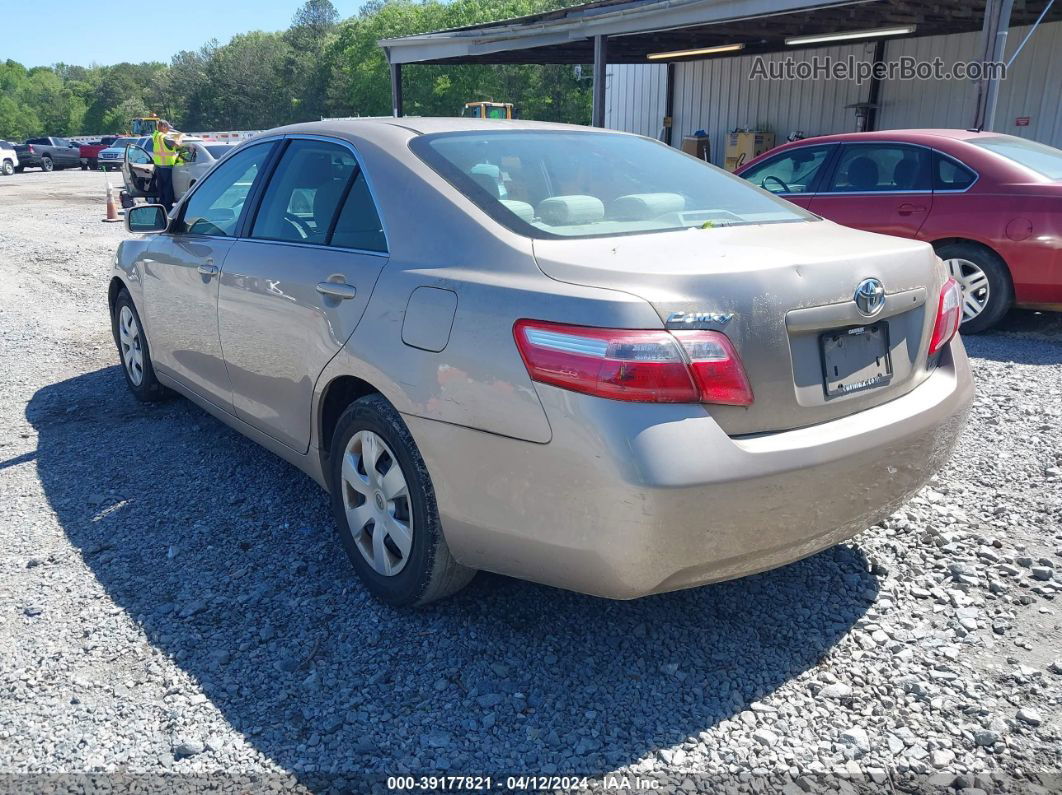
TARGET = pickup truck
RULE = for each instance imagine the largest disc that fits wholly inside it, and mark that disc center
(48, 154)
(88, 153)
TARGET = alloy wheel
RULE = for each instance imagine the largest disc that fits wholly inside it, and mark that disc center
(974, 284)
(377, 503)
(132, 350)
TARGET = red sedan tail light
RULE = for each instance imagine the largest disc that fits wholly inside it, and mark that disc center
(949, 315)
(634, 365)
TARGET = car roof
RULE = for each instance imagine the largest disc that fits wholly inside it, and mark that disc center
(926, 136)
(424, 125)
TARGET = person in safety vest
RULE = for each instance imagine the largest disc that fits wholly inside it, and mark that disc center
(164, 144)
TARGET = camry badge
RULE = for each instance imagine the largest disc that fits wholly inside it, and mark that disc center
(697, 320)
(870, 297)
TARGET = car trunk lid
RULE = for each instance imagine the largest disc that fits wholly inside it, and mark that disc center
(784, 295)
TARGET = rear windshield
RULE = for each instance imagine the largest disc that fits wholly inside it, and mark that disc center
(219, 150)
(550, 184)
(1041, 158)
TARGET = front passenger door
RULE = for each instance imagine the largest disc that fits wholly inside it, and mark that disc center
(181, 275)
(293, 292)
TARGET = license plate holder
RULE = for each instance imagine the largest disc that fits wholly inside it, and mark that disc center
(855, 359)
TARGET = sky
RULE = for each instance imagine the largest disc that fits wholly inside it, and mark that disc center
(83, 33)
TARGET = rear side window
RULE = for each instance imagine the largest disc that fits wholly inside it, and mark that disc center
(884, 168)
(794, 171)
(304, 193)
(358, 225)
(214, 207)
(949, 174)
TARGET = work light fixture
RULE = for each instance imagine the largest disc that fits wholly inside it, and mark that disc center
(854, 34)
(660, 56)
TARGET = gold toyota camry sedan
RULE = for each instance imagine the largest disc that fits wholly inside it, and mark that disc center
(570, 355)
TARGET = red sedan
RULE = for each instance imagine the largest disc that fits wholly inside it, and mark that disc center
(990, 204)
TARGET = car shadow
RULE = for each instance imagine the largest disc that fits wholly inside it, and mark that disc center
(226, 557)
(1039, 335)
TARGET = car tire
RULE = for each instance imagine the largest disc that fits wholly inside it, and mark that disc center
(19, 169)
(8, 168)
(987, 290)
(134, 355)
(93, 165)
(47, 164)
(410, 565)
(84, 166)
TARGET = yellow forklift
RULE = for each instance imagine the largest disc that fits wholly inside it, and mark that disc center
(488, 110)
(144, 125)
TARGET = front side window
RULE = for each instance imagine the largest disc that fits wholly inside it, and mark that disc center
(215, 206)
(794, 171)
(304, 192)
(136, 155)
(553, 184)
(1041, 158)
(881, 168)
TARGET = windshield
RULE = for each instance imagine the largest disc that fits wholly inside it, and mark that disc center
(1039, 157)
(589, 184)
(122, 142)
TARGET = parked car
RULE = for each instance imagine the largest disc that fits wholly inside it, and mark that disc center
(89, 153)
(568, 355)
(47, 154)
(990, 204)
(8, 158)
(195, 159)
(113, 156)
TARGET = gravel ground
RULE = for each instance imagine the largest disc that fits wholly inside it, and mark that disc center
(172, 600)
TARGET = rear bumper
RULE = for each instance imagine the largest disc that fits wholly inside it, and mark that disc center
(633, 499)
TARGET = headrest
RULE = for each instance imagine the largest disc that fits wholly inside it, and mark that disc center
(316, 170)
(903, 175)
(643, 206)
(522, 210)
(863, 173)
(571, 210)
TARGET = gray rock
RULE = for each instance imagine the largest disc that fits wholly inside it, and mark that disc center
(188, 748)
(1030, 716)
(835, 691)
(857, 738)
(765, 737)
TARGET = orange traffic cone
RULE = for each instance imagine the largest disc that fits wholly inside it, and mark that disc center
(112, 209)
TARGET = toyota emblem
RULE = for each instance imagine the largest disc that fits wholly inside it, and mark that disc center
(870, 297)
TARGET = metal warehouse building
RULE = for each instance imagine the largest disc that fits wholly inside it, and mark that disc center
(691, 63)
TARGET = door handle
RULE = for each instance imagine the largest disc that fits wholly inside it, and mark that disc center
(208, 268)
(340, 290)
(907, 208)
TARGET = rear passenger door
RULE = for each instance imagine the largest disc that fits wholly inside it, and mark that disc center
(881, 187)
(296, 284)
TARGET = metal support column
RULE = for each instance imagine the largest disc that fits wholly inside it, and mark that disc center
(874, 94)
(993, 48)
(669, 105)
(396, 90)
(600, 61)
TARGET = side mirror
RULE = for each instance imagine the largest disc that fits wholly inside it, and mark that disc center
(146, 218)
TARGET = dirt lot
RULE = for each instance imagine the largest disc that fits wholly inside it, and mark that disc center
(173, 601)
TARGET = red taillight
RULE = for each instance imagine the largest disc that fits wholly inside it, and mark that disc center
(30, 148)
(949, 315)
(640, 366)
